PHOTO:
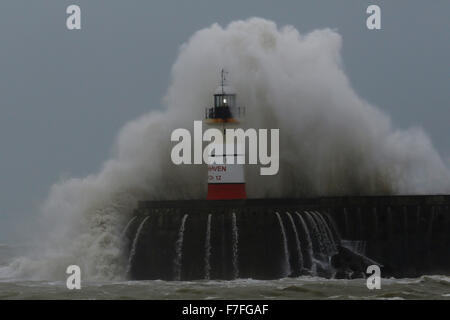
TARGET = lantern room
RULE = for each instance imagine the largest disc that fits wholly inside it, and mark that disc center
(225, 108)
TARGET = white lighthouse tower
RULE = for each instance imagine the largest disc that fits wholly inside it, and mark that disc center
(226, 181)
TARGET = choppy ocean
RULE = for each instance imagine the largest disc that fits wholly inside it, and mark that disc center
(425, 287)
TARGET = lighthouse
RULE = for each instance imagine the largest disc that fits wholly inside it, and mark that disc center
(225, 180)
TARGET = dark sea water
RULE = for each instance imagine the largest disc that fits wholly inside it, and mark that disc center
(425, 287)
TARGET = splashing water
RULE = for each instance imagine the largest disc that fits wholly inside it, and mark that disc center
(135, 243)
(286, 263)
(309, 247)
(124, 232)
(321, 233)
(318, 248)
(208, 248)
(235, 247)
(297, 243)
(179, 250)
(326, 232)
(296, 82)
(333, 228)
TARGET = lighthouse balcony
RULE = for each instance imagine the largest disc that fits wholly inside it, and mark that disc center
(224, 114)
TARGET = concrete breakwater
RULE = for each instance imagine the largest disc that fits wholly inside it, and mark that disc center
(274, 238)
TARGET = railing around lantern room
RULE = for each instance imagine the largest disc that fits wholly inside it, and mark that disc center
(224, 113)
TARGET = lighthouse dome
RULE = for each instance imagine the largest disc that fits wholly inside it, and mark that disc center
(225, 90)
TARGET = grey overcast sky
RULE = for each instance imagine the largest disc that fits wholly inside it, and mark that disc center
(65, 94)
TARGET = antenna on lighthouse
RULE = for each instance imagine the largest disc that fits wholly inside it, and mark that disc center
(223, 74)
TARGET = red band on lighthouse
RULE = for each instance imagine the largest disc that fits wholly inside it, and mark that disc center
(226, 191)
(226, 181)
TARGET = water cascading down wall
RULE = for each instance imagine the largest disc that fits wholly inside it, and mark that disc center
(336, 237)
